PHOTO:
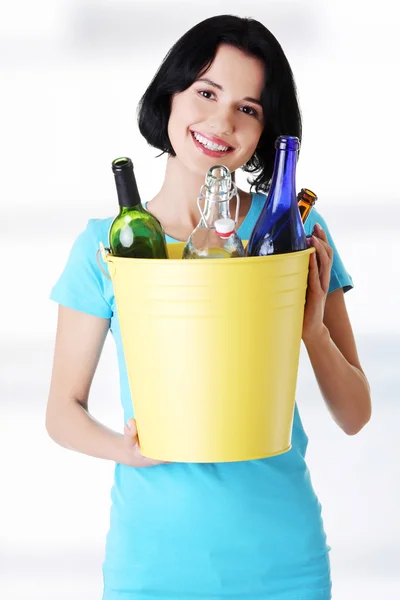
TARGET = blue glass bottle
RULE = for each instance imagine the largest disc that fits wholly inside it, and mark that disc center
(279, 228)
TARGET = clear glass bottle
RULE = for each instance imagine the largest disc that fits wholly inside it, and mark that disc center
(279, 228)
(205, 241)
(134, 233)
(226, 230)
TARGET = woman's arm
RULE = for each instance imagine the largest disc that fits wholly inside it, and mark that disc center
(331, 347)
(334, 358)
(79, 342)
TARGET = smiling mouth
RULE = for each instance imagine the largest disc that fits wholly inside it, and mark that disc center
(209, 145)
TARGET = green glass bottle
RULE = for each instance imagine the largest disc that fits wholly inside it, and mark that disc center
(134, 233)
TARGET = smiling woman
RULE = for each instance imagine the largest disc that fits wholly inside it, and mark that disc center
(251, 529)
(238, 66)
(223, 94)
(216, 114)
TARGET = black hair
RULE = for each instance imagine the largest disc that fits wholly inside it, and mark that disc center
(192, 55)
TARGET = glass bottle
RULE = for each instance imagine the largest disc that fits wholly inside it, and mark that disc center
(134, 233)
(204, 241)
(305, 201)
(226, 229)
(279, 228)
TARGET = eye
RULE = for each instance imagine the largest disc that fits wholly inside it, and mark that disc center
(248, 110)
(206, 94)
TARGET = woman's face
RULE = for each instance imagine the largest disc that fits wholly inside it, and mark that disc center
(219, 119)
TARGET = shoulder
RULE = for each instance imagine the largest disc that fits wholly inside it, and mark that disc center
(340, 278)
(313, 218)
(96, 230)
(88, 239)
(82, 285)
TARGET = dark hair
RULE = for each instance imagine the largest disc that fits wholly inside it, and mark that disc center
(192, 56)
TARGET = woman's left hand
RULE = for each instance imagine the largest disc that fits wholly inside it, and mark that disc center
(318, 284)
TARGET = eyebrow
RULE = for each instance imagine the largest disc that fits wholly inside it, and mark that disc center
(219, 87)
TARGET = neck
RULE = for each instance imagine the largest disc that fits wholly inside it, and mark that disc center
(176, 203)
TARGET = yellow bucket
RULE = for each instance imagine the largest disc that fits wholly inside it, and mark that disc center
(212, 350)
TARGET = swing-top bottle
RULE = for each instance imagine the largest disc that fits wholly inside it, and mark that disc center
(215, 236)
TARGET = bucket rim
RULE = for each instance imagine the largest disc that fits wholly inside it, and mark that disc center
(110, 258)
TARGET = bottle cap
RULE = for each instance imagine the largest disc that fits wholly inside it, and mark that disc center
(307, 196)
(225, 227)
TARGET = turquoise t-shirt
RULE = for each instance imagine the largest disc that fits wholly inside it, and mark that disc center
(249, 530)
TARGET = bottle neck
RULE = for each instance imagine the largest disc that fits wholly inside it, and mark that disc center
(283, 185)
(215, 209)
(306, 200)
(304, 208)
(127, 191)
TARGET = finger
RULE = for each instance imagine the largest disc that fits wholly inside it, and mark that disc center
(130, 430)
(324, 263)
(313, 273)
(130, 440)
(320, 234)
(320, 246)
(131, 425)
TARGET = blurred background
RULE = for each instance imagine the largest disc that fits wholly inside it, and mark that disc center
(72, 74)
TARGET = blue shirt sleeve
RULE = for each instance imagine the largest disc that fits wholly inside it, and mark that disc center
(81, 284)
(340, 278)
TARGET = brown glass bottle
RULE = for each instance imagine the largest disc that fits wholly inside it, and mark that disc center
(305, 201)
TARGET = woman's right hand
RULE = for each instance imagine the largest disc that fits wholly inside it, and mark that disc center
(134, 457)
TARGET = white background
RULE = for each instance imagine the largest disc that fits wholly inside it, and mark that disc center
(72, 73)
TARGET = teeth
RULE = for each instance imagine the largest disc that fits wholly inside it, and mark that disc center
(205, 142)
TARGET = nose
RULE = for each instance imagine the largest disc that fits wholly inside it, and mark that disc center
(221, 122)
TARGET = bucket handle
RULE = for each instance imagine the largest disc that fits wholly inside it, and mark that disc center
(233, 192)
(103, 251)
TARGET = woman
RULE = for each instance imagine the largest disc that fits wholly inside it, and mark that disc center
(250, 529)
